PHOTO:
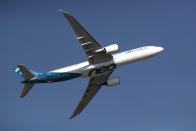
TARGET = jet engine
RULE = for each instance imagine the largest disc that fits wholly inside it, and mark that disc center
(113, 81)
(111, 49)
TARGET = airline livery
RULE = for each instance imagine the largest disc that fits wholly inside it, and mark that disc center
(101, 63)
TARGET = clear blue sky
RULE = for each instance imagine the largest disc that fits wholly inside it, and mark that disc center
(155, 95)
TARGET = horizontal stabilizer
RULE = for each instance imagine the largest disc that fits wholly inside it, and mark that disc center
(26, 89)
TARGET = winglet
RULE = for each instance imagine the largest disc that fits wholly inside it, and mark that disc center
(64, 13)
(61, 10)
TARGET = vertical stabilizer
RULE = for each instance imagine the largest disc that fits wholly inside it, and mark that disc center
(25, 72)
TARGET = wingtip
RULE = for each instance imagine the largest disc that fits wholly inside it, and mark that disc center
(64, 13)
(72, 116)
(61, 10)
(22, 96)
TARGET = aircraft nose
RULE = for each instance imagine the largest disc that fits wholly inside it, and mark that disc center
(160, 49)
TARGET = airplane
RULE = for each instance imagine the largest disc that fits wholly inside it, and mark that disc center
(102, 61)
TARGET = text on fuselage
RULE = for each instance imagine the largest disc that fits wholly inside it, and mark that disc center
(101, 69)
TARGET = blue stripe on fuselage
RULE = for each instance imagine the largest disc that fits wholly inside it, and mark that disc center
(52, 77)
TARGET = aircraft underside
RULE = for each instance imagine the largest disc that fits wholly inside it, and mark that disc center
(101, 63)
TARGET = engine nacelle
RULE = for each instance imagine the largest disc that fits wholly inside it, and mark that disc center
(111, 49)
(113, 81)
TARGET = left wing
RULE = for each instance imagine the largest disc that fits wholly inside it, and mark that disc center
(88, 43)
(94, 85)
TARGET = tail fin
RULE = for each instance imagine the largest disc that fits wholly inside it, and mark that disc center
(18, 71)
(24, 72)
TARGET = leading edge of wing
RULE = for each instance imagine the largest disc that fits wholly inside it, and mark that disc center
(88, 43)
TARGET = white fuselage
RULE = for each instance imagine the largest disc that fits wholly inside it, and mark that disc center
(119, 59)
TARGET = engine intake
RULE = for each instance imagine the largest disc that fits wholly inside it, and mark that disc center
(113, 81)
(111, 49)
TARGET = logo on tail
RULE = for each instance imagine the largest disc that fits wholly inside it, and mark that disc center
(17, 70)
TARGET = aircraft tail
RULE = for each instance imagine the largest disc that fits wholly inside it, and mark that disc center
(26, 89)
(22, 67)
(25, 72)
(27, 75)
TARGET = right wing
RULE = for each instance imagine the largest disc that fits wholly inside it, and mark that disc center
(95, 84)
(89, 44)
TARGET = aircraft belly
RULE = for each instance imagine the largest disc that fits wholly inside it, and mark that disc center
(97, 69)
